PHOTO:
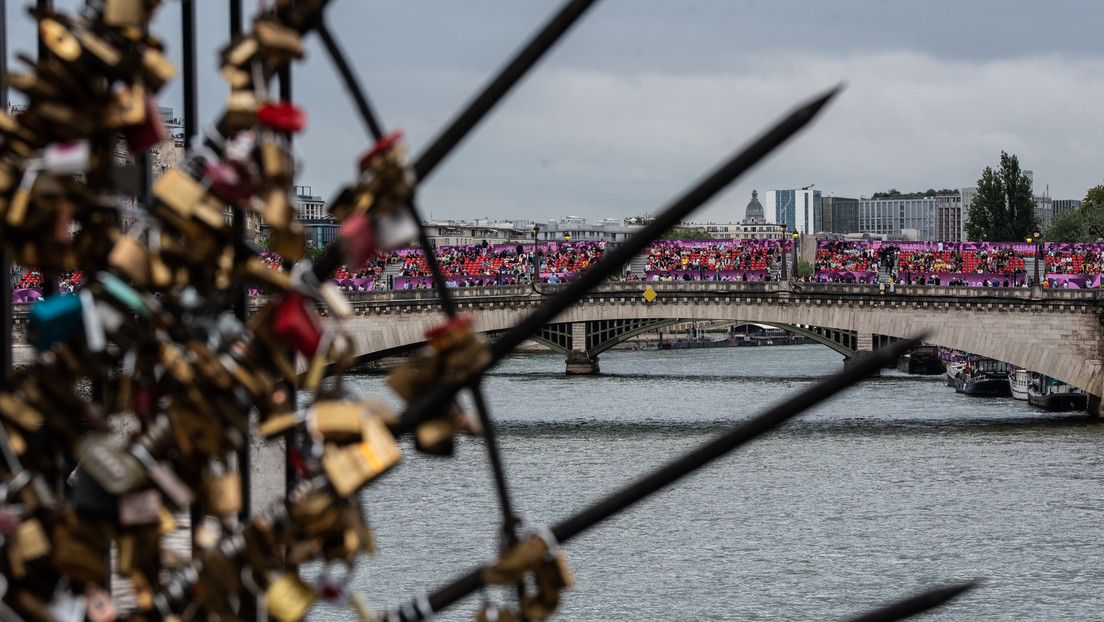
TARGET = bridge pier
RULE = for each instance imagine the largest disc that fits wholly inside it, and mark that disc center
(864, 346)
(579, 361)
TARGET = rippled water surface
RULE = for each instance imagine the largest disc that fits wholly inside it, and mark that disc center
(895, 486)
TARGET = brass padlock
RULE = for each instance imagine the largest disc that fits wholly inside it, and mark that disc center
(107, 54)
(179, 191)
(224, 494)
(288, 598)
(277, 165)
(125, 13)
(59, 40)
(352, 466)
(337, 421)
(127, 108)
(278, 42)
(132, 259)
(31, 540)
(157, 70)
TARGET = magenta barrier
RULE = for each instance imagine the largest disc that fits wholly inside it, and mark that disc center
(705, 275)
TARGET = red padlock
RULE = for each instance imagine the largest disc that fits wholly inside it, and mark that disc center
(141, 137)
(283, 117)
(382, 146)
(359, 240)
(296, 325)
(226, 182)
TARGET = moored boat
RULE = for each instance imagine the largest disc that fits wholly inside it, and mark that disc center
(1050, 394)
(953, 369)
(921, 360)
(1018, 382)
(983, 377)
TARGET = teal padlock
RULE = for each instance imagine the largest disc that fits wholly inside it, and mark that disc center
(54, 320)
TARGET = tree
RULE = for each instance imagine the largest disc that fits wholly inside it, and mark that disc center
(1073, 225)
(1003, 209)
(686, 233)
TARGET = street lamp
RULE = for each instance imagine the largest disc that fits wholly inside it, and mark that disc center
(536, 265)
(782, 247)
(796, 237)
(567, 237)
(1038, 255)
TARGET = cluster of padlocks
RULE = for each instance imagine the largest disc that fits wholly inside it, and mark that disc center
(150, 328)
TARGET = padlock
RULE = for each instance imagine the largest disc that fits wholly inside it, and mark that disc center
(57, 38)
(157, 70)
(177, 190)
(81, 551)
(132, 259)
(296, 325)
(352, 466)
(278, 43)
(240, 52)
(224, 496)
(141, 507)
(31, 541)
(55, 320)
(277, 164)
(112, 467)
(120, 13)
(436, 436)
(278, 211)
(373, 158)
(151, 131)
(241, 112)
(337, 421)
(288, 598)
(282, 116)
(127, 108)
(107, 54)
(357, 240)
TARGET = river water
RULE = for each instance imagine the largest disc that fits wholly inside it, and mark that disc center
(893, 487)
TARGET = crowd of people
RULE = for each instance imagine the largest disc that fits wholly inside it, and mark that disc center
(846, 257)
(713, 258)
(934, 263)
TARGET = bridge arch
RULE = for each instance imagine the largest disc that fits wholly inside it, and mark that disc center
(1054, 332)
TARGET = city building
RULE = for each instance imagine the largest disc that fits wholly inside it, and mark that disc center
(612, 231)
(840, 215)
(464, 233)
(798, 209)
(905, 217)
(754, 226)
(967, 195)
(948, 217)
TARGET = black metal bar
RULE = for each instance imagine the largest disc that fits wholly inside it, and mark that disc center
(5, 261)
(283, 74)
(499, 86)
(235, 18)
(43, 7)
(351, 84)
(614, 260)
(687, 464)
(915, 604)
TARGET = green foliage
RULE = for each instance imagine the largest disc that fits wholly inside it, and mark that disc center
(265, 244)
(1003, 210)
(686, 233)
(313, 253)
(1073, 225)
(804, 268)
(930, 192)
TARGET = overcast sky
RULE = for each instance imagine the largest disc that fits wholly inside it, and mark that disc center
(643, 97)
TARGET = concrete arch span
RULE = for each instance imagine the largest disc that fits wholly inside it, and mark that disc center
(1057, 332)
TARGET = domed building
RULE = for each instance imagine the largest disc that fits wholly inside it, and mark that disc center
(753, 213)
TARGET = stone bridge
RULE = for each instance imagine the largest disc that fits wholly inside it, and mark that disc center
(1054, 332)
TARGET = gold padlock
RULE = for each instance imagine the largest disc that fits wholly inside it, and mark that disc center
(156, 69)
(105, 52)
(278, 42)
(224, 494)
(338, 421)
(352, 466)
(130, 257)
(179, 191)
(31, 540)
(288, 598)
(125, 13)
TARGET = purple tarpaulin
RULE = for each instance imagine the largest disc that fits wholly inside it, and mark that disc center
(846, 277)
(25, 295)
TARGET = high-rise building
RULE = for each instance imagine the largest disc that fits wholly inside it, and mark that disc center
(840, 215)
(948, 217)
(903, 217)
(967, 195)
(799, 210)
